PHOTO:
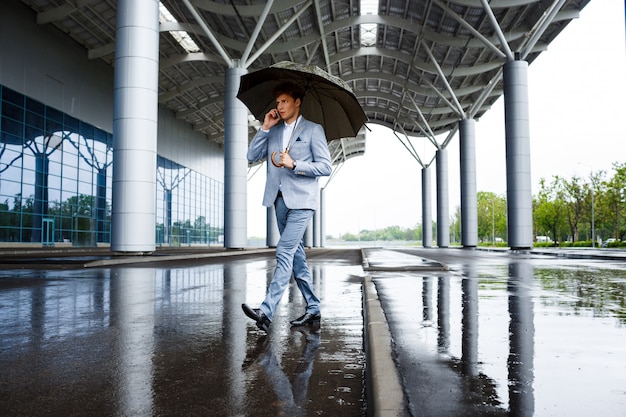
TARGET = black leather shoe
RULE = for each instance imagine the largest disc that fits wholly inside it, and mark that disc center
(262, 322)
(306, 319)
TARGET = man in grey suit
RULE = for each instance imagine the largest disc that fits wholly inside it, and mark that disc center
(292, 187)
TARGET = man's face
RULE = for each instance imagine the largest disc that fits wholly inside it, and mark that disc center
(287, 107)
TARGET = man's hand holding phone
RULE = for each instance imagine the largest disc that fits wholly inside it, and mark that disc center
(272, 117)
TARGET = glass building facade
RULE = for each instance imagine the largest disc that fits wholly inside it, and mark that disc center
(56, 176)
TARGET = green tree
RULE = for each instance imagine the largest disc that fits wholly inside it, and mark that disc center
(549, 209)
(491, 210)
(574, 193)
(591, 205)
(616, 199)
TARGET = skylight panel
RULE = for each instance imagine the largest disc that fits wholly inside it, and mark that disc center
(369, 31)
(181, 36)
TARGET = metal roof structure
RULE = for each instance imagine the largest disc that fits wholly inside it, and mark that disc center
(416, 66)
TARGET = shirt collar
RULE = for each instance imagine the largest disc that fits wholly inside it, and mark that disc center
(290, 126)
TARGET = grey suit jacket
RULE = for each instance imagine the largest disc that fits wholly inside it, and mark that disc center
(309, 149)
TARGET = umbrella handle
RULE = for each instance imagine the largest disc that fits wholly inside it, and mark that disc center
(277, 165)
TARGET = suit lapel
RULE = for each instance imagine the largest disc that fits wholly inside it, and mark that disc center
(299, 129)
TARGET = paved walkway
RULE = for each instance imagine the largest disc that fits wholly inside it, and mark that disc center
(85, 332)
(495, 333)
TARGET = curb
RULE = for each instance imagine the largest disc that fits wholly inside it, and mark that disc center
(386, 396)
(189, 256)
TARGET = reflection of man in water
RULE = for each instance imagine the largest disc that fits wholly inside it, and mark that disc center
(291, 396)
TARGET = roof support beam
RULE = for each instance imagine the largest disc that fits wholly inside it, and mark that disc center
(450, 136)
(207, 31)
(55, 14)
(320, 24)
(537, 31)
(459, 108)
(276, 35)
(429, 132)
(541, 27)
(498, 30)
(469, 27)
(484, 95)
(197, 82)
(257, 30)
(60, 12)
(444, 98)
(408, 147)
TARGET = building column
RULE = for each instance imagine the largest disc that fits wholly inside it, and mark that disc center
(443, 209)
(135, 118)
(469, 202)
(235, 163)
(427, 213)
(518, 179)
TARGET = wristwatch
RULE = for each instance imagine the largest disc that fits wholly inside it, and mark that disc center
(294, 166)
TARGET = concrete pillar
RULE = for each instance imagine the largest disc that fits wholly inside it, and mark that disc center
(443, 209)
(469, 202)
(427, 213)
(235, 163)
(135, 116)
(518, 179)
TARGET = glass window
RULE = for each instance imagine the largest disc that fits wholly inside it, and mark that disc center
(34, 106)
(188, 204)
(13, 128)
(36, 120)
(11, 96)
(70, 124)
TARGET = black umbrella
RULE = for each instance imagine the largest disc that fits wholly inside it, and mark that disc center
(328, 100)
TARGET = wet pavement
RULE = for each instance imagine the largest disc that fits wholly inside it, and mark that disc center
(508, 334)
(474, 333)
(173, 341)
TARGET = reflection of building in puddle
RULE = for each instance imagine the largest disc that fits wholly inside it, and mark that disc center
(132, 313)
(427, 312)
(290, 390)
(443, 314)
(521, 340)
(57, 308)
(234, 331)
(471, 391)
(469, 325)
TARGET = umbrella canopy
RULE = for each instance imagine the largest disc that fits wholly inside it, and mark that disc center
(328, 100)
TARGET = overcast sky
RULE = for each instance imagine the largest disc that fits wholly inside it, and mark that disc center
(577, 90)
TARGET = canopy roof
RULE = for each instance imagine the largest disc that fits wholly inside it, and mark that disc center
(416, 66)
